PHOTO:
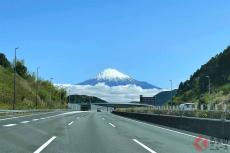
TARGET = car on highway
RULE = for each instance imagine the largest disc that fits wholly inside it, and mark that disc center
(98, 109)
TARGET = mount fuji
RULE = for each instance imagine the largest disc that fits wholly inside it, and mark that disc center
(112, 77)
(112, 86)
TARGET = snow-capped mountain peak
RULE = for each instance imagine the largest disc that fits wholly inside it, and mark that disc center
(112, 78)
(112, 74)
(113, 86)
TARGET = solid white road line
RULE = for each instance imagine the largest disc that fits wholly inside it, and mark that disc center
(193, 136)
(67, 113)
(45, 145)
(42, 118)
(112, 125)
(71, 123)
(144, 146)
(9, 125)
(24, 122)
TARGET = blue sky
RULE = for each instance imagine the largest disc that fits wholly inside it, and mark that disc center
(154, 41)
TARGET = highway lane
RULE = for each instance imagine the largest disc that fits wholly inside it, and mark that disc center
(92, 135)
(27, 137)
(108, 133)
(91, 132)
(160, 139)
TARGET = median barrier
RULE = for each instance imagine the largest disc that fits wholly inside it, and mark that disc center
(210, 127)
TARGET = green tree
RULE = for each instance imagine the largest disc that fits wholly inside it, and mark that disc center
(4, 62)
(217, 69)
(21, 69)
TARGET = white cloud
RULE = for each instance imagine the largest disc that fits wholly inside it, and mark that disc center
(117, 94)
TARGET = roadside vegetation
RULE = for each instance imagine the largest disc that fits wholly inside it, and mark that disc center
(191, 113)
(196, 89)
(48, 95)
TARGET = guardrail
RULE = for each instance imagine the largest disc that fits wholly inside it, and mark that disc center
(215, 112)
(4, 113)
(207, 107)
(32, 110)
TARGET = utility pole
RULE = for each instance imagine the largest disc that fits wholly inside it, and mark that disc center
(15, 60)
(37, 89)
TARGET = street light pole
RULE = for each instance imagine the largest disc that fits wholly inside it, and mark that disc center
(37, 89)
(15, 60)
(171, 93)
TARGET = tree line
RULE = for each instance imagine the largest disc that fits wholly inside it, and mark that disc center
(217, 69)
(48, 95)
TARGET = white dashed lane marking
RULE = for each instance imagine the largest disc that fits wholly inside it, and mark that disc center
(45, 145)
(35, 119)
(112, 125)
(71, 123)
(24, 122)
(144, 146)
(9, 125)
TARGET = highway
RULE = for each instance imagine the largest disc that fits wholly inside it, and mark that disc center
(91, 132)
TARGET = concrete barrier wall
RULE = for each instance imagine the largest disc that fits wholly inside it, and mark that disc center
(209, 127)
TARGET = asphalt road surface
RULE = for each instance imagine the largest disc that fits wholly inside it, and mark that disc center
(92, 132)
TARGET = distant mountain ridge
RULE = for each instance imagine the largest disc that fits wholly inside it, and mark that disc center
(85, 99)
(164, 97)
(112, 77)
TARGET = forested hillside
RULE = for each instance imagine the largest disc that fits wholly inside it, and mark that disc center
(196, 89)
(48, 95)
(84, 99)
(164, 97)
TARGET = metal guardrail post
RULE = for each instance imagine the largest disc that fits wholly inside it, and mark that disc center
(202, 107)
(216, 108)
(209, 107)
